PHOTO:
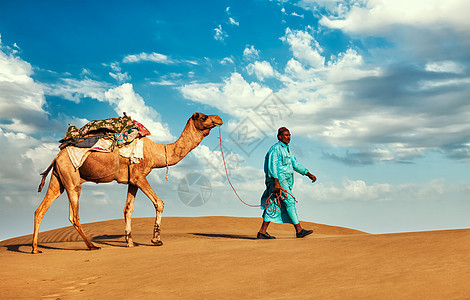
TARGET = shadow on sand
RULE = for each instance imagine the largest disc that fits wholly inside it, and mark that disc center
(225, 236)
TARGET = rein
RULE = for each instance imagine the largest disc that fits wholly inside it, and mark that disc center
(281, 196)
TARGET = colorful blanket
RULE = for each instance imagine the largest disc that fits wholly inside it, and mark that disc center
(120, 130)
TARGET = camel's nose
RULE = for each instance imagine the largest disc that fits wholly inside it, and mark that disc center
(217, 120)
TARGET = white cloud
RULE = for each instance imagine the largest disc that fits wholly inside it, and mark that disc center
(42, 155)
(21, 98)
(442, 83)
(349, 65)
(74, 90)
(233, 22)
(16, 83)
(226, 60)
(151, 57)
(297, 15)
(251, 52)
(377, 112)
(232, 96)
(120, 77)
(444, 67)
(376, 16)
(18, 125)
(163, 82)
(304, 47)
(16, 165)
(261, 69)
(124, 99)
(220, 34)
(121, 98)
(359, 190)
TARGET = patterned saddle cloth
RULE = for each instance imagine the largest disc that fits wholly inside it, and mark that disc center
(120, 131)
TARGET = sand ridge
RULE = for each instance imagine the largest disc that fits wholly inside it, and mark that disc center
(215, 257)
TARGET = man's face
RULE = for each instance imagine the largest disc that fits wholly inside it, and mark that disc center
(285, 137)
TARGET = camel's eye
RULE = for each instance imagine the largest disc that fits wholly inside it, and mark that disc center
(204, 118)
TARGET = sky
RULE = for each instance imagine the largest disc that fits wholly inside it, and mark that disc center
(375, 94)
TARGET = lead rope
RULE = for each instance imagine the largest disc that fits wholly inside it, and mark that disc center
(268, 201)
(166, 162)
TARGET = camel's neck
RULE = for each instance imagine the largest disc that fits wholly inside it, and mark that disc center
(190, 138)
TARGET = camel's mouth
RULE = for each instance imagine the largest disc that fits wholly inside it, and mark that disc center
(217, 121)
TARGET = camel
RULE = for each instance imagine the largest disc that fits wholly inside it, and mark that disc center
(102, 167)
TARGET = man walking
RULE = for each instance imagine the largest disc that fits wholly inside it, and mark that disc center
(279, 167)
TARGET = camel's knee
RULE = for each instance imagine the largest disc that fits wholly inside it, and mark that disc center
(159, 206)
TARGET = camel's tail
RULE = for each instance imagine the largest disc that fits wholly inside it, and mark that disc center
(44, 175)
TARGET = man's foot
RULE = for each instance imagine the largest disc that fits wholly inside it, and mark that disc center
(303, 233)
(264, 236)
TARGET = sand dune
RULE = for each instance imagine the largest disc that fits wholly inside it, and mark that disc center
(219, 257)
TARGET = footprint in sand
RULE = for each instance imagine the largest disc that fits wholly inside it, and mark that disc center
(72, 286)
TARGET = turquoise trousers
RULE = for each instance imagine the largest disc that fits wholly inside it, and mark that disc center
(287, 213)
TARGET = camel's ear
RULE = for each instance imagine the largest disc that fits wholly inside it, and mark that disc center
(195, 116)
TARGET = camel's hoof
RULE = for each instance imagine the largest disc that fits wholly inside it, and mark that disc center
(130, 245)
(157, 243)
(36, 251)
(94, 248)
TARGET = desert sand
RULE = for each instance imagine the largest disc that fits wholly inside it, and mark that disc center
(220, 258)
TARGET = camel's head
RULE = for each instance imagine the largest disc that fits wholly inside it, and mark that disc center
(205, 123)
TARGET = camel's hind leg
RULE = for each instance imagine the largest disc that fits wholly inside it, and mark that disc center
(53, 192)
(74, 195)
(128, 210)
(158, 203)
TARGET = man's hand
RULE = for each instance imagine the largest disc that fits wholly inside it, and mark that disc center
(311, 176)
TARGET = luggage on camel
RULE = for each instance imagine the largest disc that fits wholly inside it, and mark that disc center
(120, 131)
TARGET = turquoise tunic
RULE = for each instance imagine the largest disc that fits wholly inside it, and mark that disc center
(280, 163)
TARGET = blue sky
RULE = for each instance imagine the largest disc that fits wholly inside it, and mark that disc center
(375, 93)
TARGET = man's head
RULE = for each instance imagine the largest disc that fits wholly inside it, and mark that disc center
(283, 135)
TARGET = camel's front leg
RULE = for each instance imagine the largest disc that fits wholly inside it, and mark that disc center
(128, 210)
(158, 203)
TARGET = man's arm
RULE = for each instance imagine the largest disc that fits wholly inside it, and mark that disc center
(301, 169)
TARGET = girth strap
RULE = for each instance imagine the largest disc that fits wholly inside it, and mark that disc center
(116, 162)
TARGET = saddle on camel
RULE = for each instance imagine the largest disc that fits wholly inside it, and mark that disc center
(120, 135)
(120, 131)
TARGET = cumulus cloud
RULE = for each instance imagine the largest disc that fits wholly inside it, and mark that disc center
(250, 52)
(377, 16)
(74, 89)
(234, 95)
(21, 98)
(359, 190)
(261, 69)
(376, 113)
(124, 99)
(17, 166)
(304, 47)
